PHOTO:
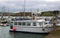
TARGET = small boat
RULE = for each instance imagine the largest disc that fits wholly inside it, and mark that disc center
(31, 24)
(3, 23)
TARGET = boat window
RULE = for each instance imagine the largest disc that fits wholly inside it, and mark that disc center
(23, 23)
(12, 19)
(40, 23)
(47, 19)
(48, 22)
(34, 23)
(28, 23)
(22, 19)
(10, 22)
(58, 22)
(19, 23)
(15, 23)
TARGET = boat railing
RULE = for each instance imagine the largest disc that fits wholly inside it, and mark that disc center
(21, 19)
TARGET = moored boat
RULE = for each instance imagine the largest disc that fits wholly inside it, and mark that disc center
(27, 24)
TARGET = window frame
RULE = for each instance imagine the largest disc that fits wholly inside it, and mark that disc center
(23, 24)
(15, 23)
(40, 23)
(19, 23)
(28, 24)
(34, 24)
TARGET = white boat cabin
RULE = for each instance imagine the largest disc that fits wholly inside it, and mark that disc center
(28, 22)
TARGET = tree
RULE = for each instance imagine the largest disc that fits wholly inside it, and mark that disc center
(55, 13)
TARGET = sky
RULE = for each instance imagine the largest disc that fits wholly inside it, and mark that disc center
(30, 5)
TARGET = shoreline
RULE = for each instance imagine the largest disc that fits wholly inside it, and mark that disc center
(54, 34)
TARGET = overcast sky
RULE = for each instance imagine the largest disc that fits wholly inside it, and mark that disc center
(30, 5)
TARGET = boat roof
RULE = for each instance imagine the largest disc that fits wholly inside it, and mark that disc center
(39, 19)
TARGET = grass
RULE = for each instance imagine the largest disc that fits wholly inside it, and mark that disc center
(54, 34)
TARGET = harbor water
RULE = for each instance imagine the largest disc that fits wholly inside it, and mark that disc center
(4, 33)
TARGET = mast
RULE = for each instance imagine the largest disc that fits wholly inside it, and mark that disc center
(24, 6)
(3, 10)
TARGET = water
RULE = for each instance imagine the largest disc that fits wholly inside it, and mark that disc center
(4, 33)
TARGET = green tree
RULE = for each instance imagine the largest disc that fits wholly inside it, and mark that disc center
(55, 13)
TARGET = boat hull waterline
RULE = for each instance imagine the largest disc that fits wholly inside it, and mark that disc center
(34, 29)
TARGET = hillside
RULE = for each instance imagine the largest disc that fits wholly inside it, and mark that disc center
(45, 13)
(50, 13)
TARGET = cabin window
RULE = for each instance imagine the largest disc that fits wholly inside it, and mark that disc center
(34, 23)
(48, 22)
(28, 23)
(15, 23)
(58, 22)
(40, 23)
(11, 22)
(23, 23)
(19, 23)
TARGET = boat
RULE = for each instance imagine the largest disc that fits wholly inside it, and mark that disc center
(3, 23)
(31, 24)
(58, 21)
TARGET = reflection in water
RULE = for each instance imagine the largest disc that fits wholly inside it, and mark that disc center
(4, 33)
(27, 35)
